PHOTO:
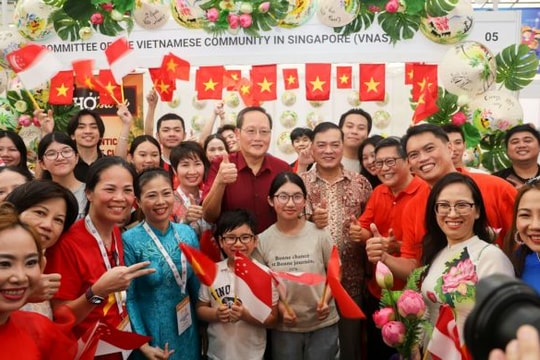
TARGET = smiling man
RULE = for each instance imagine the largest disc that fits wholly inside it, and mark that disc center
(522, 146)
(429, 154)
(356, 125)
(242, 180)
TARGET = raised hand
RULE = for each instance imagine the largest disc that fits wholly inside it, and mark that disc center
(375, 246)
(227, 172)
(194, 211)
(320, 215)
(355, 229)
(118, 278)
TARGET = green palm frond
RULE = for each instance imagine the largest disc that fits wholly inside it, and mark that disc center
(516, 66)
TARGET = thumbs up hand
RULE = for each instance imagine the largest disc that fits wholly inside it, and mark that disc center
(227, 172)
(194, 211)
(375, 246)
(320, 215)
(355, 230)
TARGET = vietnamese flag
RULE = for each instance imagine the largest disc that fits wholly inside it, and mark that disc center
(318, 81)
(424, 75)
(110, 92)
(231, 78)
(61, 89)
(34, 64)
(84, 76)
(203, 266)
(253, 286)
(372, 82)
(426, 106)
(263, 79)
(346, 305)
(209, 82)
(245, 90)
(290, 79)
(175, 67)
(344, 77)
(209, 246)
(120, 58)
(163, 84)
(409, 72)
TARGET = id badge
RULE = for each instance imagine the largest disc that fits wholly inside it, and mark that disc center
(183, 315)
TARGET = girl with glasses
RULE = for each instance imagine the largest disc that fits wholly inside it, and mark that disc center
(308, 329)
(57, 155)
(457, 247)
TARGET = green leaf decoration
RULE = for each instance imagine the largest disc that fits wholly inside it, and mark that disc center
(62, 115)
(447, 103)
(109, 27)
(472, 135)
(413, 280)
(415, 7)
(438, 8)
(399, 26)
(363, 20)
(55, 3)
(65, 26)
(494, 156)
(79, 9)
(516, 66)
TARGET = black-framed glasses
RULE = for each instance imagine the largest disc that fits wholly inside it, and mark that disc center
(389, 162)
(232, 239)
(53, 154)
(460, 208)
(284, 198)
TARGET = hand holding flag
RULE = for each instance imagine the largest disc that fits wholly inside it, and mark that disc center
(203, 266)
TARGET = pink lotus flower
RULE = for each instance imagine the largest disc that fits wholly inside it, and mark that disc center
(96, 18)
(233, 21)
(460, 277)
(411, 304)
(107, 7)
(374, 8)
(393, 333)
(212, 14)
(245, 20)
(382, 316)
(383, 275)
(459, 118)
(264, 7)
(25, 120)
(36, 122)
(392, 6)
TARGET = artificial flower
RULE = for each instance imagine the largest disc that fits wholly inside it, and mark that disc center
(21, 106)
(245, 20)
(233, 20)
(392, 6)
(25, 120)
(107, 7)
(382, 316)
(96, 18)
(411, 304)
(212, 14)
(393, 333)
(246, 8)
(264, 7)
(85, 33)
(117, 15)
(459, 118)
(384, 276)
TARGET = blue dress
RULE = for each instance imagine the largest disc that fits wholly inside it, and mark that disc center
(152, 299)
(531, 270)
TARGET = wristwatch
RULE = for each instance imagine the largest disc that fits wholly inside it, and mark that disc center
(93, 298)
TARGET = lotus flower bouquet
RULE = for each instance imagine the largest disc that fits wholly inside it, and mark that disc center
(401, 316)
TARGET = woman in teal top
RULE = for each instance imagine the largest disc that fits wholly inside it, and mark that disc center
(162, 305)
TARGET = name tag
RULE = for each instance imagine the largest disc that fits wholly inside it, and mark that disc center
(183, 315)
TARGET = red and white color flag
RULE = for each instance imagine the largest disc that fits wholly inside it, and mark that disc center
(34, 64)
(120, 59)
(253, 286)
(445, 343)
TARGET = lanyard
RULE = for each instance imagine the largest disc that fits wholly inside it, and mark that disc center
(116, 255)
(180, 280)
(185, 198)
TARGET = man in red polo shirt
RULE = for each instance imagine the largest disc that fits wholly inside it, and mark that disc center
(429, 153)
(242, 180)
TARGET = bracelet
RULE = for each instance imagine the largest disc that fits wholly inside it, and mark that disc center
(123, 138)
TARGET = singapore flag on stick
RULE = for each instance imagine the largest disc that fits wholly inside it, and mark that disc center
(34, 64)
(120, 59)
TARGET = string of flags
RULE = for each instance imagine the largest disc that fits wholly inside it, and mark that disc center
(35, 64)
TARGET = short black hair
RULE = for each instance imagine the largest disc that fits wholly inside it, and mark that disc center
(233, 219)
(19, 144)
(325, 126)
(188, 149)
(244, 111)
(392, 141)
(356, 111)
(451, 128)
(74, 123)
(170, 116)
(521, 128)
(226, 127)
(436, 130)
(298, 132)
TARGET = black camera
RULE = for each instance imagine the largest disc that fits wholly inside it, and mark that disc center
(502, 305)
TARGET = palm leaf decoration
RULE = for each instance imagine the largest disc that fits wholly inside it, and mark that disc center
(399, 26)
(362, 21)
(494, 155)
(437, 8)
(55, 3)
(516, 66)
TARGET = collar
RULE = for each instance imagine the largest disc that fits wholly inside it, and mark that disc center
(345, 174)
(241, 162)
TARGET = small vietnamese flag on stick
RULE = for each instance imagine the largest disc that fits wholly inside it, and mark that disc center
(120, 59)
(203, 266)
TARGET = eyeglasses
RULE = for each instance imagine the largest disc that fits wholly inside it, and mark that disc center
(232, 239)
(284, 198)
(388, 162)
(460, 208)
(53, 155)
(252, 131)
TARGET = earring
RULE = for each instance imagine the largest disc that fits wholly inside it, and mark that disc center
(517, 239)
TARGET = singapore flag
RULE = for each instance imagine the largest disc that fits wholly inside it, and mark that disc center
(34, 64)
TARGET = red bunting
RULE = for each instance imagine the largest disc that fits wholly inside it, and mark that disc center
(344, 77)
(318, 81)
(263, 79)
(175, 67)
(290, 79)
(372, 82)
(209, 82)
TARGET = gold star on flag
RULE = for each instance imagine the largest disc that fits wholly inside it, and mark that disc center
(421, 100)
(410, 74)
(110, 87)
(234, 76)
(422, 84)
(88, 82)
(171, 65)
(210, 85)
(62, 90)
(344, 79)
(265, 85)
(372, 85)
(163, 88)
(244, 89)
(317, 84)
(291, 80)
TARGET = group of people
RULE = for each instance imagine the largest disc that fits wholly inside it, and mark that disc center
(89, 238)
